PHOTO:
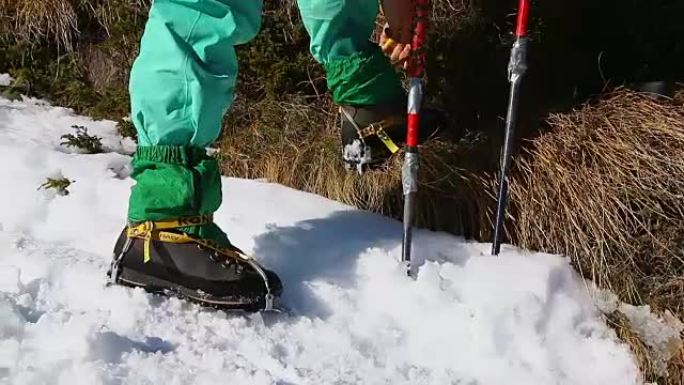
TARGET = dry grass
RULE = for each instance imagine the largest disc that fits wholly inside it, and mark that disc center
(109, 13)
(446, 15)
(37, 20)
(606, 187)
(298, 145)
(57, 21)
(624, 331)
(645, 358)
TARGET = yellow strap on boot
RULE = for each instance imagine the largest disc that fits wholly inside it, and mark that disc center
(147, 243)
(152, 230)
(378, 130)
(172, 223)
(389, 143)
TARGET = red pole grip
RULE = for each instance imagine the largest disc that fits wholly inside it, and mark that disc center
(416, 70)
(413, 125)
(416, 63)
(523, 16)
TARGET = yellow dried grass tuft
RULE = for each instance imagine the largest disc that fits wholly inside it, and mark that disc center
(56, 21)
(606, 187)
(41, 19)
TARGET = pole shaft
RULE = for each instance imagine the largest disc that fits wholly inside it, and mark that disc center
(409, 171)
(511, 118)
(416, 62)
(517, 66)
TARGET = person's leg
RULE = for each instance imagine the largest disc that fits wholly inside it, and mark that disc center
(361, 78)
(358, 72)
(181, 85)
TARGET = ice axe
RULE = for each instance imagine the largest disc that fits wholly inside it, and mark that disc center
(517, 65)
(409, 171)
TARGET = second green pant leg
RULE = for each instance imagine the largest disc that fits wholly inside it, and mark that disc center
(181, 85)
(358, 72)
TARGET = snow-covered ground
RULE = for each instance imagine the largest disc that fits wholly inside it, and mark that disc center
(5, 80)
(468, 318)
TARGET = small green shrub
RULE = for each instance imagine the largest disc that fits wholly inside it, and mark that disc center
(60, 185)
(126, 129)
(91, 144)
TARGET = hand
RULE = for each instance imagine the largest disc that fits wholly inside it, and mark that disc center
(398, 53)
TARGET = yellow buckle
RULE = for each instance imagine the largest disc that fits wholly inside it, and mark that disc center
(387, 141)
(378, 130)
(147, 243)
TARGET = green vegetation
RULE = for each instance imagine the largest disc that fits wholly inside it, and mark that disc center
(81, 139)
(60, 185)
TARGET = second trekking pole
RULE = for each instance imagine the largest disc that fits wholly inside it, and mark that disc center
(409, 171)
(517, 66)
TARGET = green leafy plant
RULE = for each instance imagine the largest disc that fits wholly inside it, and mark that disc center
(126, 128)
(60, 185)
(90, 143)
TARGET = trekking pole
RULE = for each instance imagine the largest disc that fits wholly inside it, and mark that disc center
(517, 65)
(409, 171)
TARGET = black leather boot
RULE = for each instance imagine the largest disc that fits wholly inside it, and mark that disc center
(170, 262)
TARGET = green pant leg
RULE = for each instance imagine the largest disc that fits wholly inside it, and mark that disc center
(358, 72)
(181, 85)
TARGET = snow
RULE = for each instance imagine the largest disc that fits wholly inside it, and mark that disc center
(661, 333)
(5, 80)
(468, 318)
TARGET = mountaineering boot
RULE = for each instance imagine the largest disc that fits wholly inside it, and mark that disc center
(158, 257)
(371, 134)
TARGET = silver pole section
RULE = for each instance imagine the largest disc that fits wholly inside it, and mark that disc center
(409, 173)
(517, 66)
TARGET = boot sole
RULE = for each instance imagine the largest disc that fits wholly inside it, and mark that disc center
(156, 285)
